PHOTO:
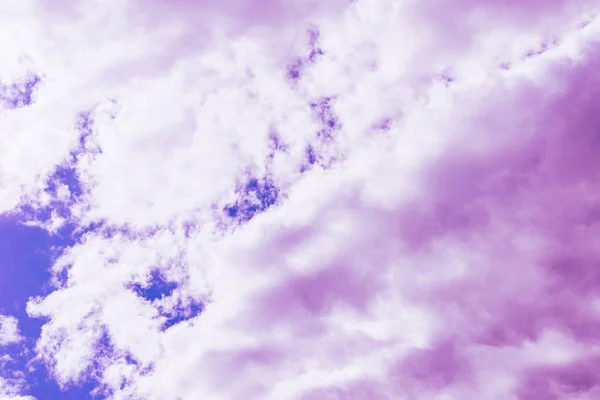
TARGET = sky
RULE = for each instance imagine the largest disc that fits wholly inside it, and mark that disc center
(303, 200)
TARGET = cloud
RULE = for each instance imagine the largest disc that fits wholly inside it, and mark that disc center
(300, 200)
(9, 330)
(12, 382)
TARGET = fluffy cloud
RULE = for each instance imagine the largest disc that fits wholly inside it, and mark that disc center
(292, 200)
(9, 330)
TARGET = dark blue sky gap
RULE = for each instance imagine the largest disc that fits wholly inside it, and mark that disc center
(297, 67)
(63, 174)
(158, 287)
(19, 94)
(26, 255)
(256, 197)
(28, 252)
(183, 312)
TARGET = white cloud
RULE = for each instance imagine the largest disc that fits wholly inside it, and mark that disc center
(352, 283)
(11, 382)
(8, 391)
(9, 330)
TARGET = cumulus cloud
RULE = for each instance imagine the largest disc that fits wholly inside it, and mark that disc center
(309, 200)
(9, 330)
